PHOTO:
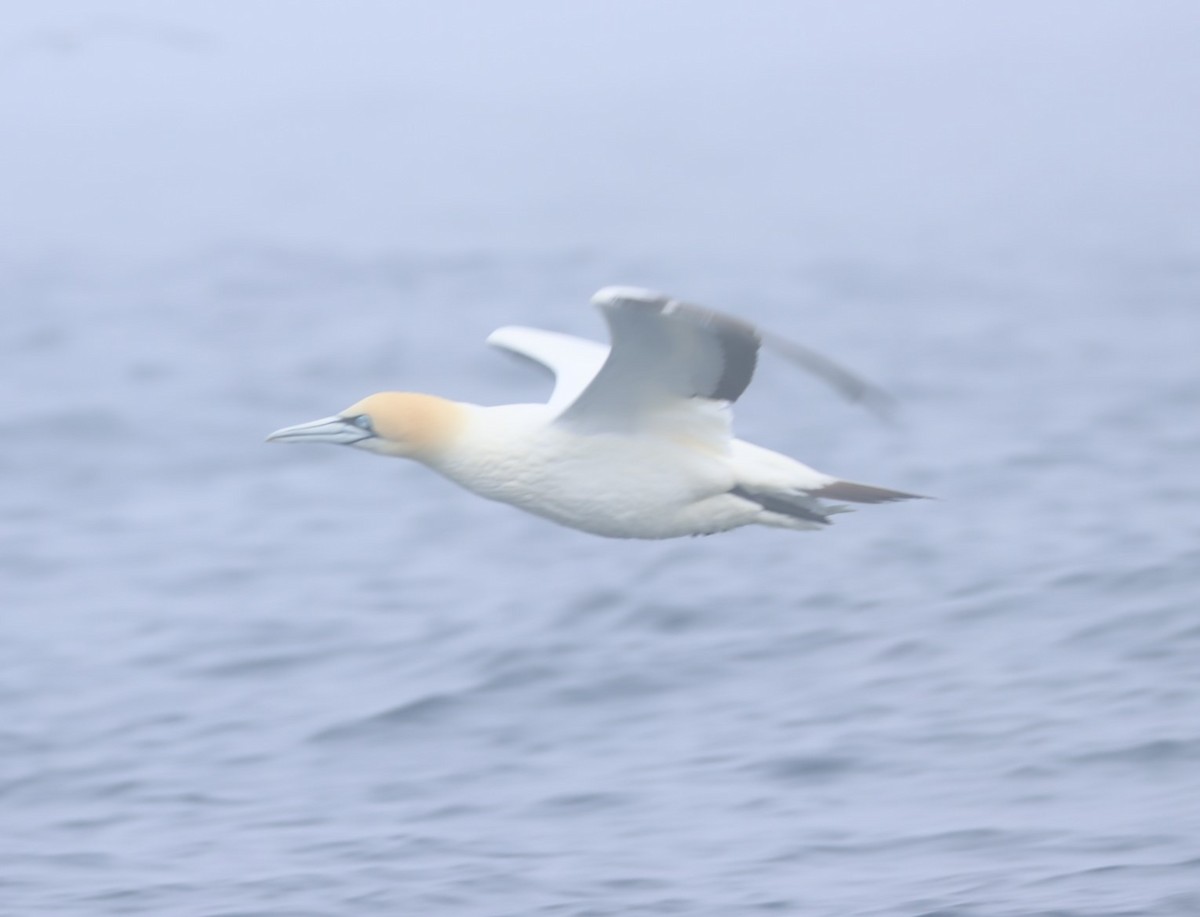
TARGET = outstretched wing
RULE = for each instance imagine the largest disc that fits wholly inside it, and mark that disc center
(665, 354)
(573, 361)
(668, 359)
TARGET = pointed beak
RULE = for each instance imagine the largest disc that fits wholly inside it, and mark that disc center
(340, 430)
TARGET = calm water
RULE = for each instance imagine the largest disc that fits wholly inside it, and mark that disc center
(241, 679)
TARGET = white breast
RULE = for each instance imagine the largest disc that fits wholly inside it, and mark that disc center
(640, 486)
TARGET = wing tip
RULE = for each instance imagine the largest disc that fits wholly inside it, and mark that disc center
(501, 336)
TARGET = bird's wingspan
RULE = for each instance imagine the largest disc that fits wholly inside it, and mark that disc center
(664, 354)
(573, 361)
(668, 358)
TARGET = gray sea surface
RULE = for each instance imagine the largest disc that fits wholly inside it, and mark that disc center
(239, 679)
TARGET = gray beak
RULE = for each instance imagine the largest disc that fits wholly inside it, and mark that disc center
(340, 430)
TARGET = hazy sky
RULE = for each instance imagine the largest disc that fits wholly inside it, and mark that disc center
(148, 130)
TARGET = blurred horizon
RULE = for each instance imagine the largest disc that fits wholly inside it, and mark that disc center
(777, 133)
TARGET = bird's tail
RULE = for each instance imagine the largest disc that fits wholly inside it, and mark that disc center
(861, 493)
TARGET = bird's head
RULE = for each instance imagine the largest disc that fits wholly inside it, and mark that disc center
(403, 424)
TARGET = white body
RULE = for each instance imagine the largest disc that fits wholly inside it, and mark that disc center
(642, 485)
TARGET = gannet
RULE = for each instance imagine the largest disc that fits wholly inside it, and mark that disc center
(634, 442)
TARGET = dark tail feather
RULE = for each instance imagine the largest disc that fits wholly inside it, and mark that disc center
(861, 493)
(775, 503)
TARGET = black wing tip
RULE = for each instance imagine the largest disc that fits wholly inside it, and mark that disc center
(884, 405)
(849, 385)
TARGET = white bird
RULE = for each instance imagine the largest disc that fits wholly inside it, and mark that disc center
(635, 441)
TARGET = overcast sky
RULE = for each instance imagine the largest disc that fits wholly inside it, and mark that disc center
(143, 130)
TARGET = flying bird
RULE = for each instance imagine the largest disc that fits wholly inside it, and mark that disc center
(636, 439)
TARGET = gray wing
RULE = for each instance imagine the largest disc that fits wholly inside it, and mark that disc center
(664, 354)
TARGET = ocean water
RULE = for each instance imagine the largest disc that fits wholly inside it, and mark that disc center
(241, 679)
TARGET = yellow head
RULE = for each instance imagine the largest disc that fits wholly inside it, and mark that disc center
(403, 424)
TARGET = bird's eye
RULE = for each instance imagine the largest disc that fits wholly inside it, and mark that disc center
(362, 421)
